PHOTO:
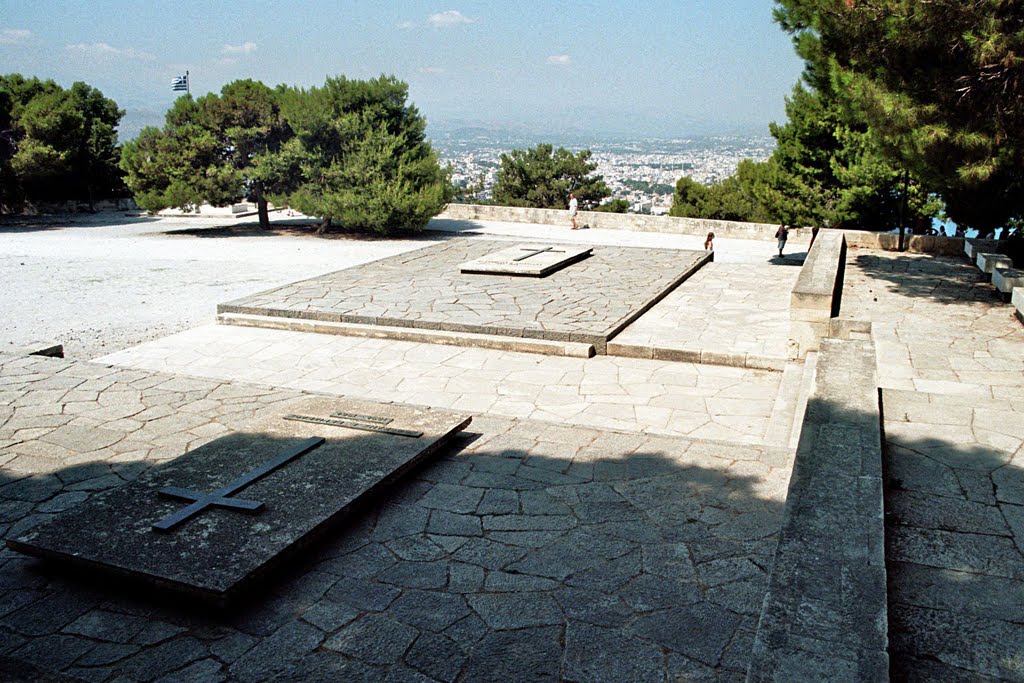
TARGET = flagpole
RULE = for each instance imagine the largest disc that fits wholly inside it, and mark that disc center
(188, 84)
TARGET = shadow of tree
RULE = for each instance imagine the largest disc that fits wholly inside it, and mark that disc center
(524, 551)
(954, 549)
(17, 224)
(298, 227)
(946, 279)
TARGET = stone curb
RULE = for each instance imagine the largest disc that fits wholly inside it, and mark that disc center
(702, 356)
(412, 334)
(825, 614)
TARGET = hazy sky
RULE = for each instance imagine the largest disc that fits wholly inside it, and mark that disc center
(662, 67)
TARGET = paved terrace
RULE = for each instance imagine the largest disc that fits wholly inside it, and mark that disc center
(951, 364)
(592, 543)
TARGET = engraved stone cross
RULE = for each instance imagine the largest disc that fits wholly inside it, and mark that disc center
(219, 498)
(534, 252)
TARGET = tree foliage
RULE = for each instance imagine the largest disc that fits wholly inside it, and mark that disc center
(939, 83)
(359, 157)
(543, 177)
(55, 143)
(209, 150)
(352, 153)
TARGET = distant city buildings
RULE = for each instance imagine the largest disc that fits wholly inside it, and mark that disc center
(643, 172)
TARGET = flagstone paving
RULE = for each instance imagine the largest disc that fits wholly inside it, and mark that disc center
(722, 308)
(535, 551)
(938, 324)
(682, 399)
(951, 361)
(588, 301)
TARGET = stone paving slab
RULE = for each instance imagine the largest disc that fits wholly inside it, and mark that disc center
(530, 260)
(725, 313)
(955, 536)
(656, 396)
(528, 551)
(590, 301)
(341, 452)
(938, 325)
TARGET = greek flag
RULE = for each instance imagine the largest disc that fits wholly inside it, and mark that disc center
(179, 83)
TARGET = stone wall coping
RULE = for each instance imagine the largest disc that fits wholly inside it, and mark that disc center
(858, 239)
(825, 615)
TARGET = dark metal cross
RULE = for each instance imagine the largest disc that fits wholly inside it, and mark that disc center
(219, 498)
(534, 252)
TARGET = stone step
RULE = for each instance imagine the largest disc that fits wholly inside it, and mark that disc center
(411, 334)
(704, 356)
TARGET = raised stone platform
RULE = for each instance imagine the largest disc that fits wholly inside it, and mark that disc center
(530, 260)
(214, 521)
(588, 303)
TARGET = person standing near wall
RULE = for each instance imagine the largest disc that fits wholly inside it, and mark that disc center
(573, 210)
(782, 234)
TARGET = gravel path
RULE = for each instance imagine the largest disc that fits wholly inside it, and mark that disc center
(102, 283)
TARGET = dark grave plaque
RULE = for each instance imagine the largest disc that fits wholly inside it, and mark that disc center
(533, 260)
(216, 520)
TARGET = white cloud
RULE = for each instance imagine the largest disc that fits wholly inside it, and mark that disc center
(452, 17)
(12, 36)
(431, 70)
(560, 60)
(105, 50)
(243, 49)
(407, 25)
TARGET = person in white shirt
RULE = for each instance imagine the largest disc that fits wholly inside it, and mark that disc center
(573, 207)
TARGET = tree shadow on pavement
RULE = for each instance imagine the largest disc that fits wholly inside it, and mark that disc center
(525, 551)
(945, 279)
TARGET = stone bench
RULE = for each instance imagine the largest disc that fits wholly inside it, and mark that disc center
(1006, 280)
(817, 294)
(825, 614)
(988, 261)
(1017, 298)
(974, 247)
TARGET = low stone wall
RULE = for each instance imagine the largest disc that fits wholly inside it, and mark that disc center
(817, 294)
(825, 615)
(923, 244)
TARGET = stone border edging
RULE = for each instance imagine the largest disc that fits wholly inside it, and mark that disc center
(857, 239)
(411, 334)
(817, 293)
(825, 614)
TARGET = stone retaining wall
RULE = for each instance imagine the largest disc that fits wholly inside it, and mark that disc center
(825, 615)
(818, 291)
(924, 244)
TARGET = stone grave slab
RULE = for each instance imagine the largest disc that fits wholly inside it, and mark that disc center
(530, 260)
(588, 303)
(218, 519)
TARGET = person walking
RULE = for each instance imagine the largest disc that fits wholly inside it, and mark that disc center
(573, 210)
(782, 234)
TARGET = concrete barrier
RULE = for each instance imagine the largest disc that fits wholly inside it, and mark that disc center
(817, 294)
(825, 615)
(1017, 299)
(922, 244)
